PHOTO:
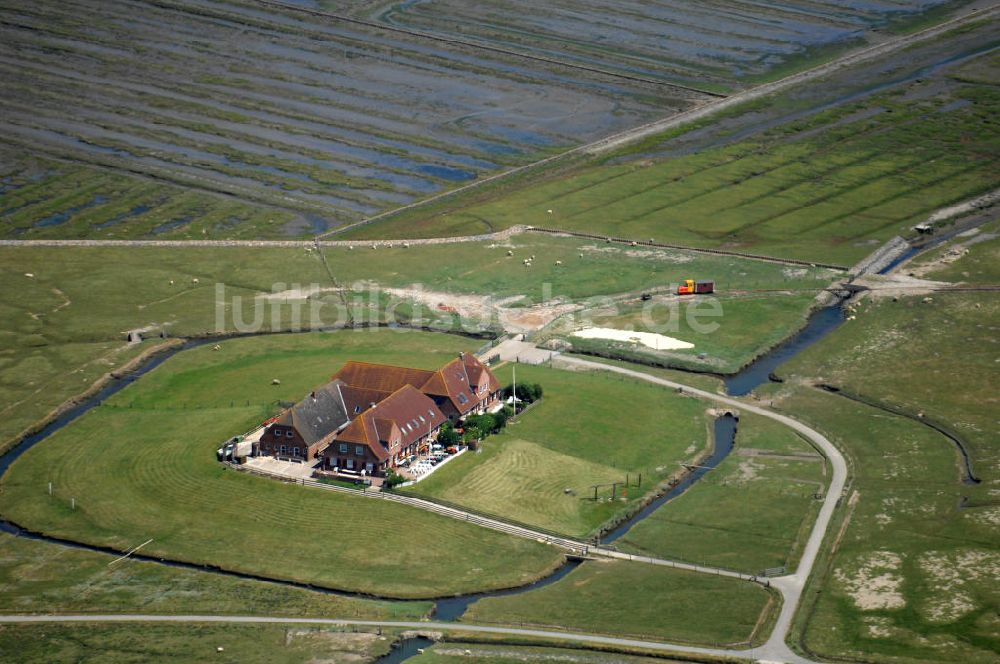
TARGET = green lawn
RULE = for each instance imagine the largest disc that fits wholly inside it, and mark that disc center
(184, 644)
(574, 438)
(143, 466)
(637, 600)
(827, 187)
(752, 512)
(38, 577)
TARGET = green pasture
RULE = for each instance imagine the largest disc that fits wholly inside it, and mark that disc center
(910, 580)
(936, 358)
(827, 188)
(979, 263)
(66, 311)
(640, 601)
(38, 577)
(753, 512)
(142, 466)
(727, 331)
(541, 470)
(564, 268)
(65, 324)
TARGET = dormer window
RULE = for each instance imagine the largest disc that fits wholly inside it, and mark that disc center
(357, 409)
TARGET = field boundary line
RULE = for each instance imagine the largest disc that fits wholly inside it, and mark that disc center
(498, 236)
(725, 654)
(791, 586)
(698, 112)
(574, 547)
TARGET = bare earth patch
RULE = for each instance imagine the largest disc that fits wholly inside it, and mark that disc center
(898, 285)
(875, 585)
(954, 575)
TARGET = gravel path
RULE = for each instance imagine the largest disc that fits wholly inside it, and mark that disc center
(790, 586)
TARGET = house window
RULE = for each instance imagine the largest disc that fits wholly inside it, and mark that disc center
(359, 450)
(350, 464)
(343, 448)
(289, 433)
(276, 431)
(284, 449)
(369, 467)
(295, 451)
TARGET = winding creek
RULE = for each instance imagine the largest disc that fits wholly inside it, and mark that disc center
(820, 324)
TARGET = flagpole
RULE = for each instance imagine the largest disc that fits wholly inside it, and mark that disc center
(514, 388)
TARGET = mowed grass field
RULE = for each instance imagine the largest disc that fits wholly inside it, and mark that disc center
(541, 469)
(637, 600)
(751, 513)
(142, 466)
(822, 187)
(39, 577)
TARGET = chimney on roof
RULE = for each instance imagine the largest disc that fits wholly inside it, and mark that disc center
(371, 404)
(461, 355)
(313, 394)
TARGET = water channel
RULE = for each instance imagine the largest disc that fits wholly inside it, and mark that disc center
(760, 371)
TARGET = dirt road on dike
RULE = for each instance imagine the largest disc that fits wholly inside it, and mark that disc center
(641, 132)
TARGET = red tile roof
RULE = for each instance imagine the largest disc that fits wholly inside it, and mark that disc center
(460, 381)
(380, 377)
(394, 423)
